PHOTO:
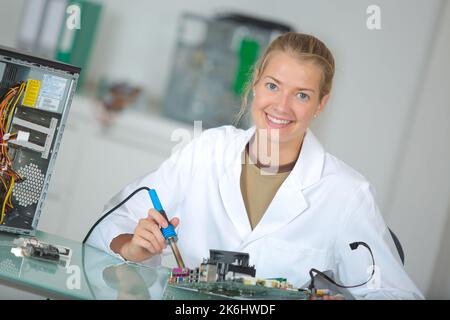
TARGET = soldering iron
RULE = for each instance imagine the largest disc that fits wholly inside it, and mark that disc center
(168, 232)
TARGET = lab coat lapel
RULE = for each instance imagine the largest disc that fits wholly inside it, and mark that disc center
(289, 202)
(230, 187)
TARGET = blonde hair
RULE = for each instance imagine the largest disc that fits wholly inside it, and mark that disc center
(305, 47)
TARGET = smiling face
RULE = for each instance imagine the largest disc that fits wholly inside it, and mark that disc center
(286, 98)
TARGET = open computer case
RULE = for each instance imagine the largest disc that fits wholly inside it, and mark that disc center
(35, 96)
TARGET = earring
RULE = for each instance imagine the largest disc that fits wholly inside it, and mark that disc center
(315, 116)
(254, 94)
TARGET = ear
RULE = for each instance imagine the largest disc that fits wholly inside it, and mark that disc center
(323, 102)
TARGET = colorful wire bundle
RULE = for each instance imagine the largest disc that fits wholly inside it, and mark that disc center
(8, 176)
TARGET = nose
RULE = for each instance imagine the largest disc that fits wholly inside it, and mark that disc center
(283, 103)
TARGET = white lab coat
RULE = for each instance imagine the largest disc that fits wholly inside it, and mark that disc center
(322, 206)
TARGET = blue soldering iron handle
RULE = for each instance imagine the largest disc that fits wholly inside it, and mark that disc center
(169, 232)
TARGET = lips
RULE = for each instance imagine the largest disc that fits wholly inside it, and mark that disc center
(277, 123)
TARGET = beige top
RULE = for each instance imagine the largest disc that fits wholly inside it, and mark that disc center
(259, 188)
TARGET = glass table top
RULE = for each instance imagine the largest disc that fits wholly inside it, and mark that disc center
(90, 274)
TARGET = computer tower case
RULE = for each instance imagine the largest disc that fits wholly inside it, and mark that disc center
(35, 97)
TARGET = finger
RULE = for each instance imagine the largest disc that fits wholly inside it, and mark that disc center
(146, 223)
(150, 236)
(151, 244)
(151, 226)
(156, 244)
(144, 244)
(174, 222)
(156, 231)
(158, 217)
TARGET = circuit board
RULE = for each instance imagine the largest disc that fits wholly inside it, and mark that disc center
(229, 290)
(227, 275)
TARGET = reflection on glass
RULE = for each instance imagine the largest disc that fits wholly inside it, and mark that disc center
(127, 281)
(110, 278)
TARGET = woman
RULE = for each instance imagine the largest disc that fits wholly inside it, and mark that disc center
(271, 191)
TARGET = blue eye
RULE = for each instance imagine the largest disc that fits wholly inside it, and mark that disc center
(303, 96)
(271, 86)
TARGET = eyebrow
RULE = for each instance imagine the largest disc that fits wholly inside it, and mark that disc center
(278, 81)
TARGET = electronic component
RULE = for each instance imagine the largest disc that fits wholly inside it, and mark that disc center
(227, 275)
(221, 265)
(228, 262)
(35, 96)
(33, 248)
(47, 252)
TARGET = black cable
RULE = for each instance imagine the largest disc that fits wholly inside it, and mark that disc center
(353, 246)
(113, 209)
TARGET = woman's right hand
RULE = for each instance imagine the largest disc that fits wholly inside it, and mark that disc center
(147, 239)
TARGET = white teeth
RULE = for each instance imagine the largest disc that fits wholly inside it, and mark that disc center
(278, 121)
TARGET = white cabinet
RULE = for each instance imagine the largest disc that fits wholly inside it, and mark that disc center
(93, 164)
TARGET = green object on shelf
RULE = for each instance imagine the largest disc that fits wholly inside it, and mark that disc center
(248, 54)
(75, 45)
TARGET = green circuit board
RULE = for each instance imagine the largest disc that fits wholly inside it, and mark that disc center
(229, 290)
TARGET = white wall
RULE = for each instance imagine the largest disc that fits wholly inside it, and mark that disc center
(420, 189)
(389, 102)
(10, 12)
